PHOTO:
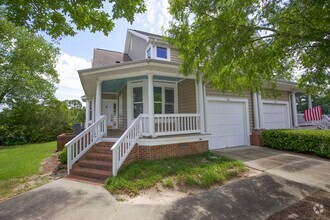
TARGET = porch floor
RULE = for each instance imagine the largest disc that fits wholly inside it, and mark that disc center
(115, 133)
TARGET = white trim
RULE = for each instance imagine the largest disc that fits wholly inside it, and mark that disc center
(168, 53)
(144, 37)
(255, 111)
(246, 115)
(98, 99)
(261, 112)
(172, 140)
(294, 109)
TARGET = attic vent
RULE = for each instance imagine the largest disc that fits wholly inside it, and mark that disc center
(117, 61)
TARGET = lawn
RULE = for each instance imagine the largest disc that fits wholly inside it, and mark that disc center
(19, 163)
(202, 170)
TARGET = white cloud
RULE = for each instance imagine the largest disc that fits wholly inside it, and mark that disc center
(70, 86)
(156, 16)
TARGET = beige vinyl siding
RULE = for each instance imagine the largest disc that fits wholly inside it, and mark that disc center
(175, 55)
(137, 52)
(122, 118)
(277, 95)
(214, 92)
(109, 96)
(187, 96)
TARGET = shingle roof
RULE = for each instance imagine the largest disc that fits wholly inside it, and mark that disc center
(103, 57)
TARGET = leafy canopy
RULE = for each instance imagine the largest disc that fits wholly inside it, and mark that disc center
(27, 65)
(241, 44)
(63, 18)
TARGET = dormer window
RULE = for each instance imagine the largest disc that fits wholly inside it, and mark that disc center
(149, 53)
(161, 52)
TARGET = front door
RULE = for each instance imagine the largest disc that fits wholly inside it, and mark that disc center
(109, 108)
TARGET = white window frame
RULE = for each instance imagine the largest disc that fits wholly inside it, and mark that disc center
(153, 52)
(120, 105)
(164, 85)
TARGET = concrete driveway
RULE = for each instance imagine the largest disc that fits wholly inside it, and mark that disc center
(300, 168)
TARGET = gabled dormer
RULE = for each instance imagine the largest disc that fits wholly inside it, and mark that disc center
(142, 45)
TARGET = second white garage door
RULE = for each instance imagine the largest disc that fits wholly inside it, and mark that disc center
(276, 115)
(227, 123)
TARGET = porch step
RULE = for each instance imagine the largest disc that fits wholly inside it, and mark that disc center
(95, 164)
(98, 156)
(91, 173)
(104, 144)
(101, 150)
(85, 179)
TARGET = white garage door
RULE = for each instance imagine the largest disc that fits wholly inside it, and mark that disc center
(275, 115)
(226, 123)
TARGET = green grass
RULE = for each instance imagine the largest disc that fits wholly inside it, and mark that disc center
(19, 163)
(202, 170)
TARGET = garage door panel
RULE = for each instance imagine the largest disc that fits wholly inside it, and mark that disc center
(226, 123)
(275, 115)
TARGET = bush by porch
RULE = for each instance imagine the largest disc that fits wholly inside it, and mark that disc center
(201, 170)
(304, 141)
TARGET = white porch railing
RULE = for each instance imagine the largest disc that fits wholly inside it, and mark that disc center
(170, 124)
(80, 144)
(124, 145)
(323, 124)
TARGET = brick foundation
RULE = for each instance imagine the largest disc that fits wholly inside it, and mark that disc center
(165, 151)
(256, 137)
(62, 139)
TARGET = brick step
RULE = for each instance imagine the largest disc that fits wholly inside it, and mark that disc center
(90, 173)
(95, 164)
(104, 144)
(106, 150)
(98, 156)
(85, 179)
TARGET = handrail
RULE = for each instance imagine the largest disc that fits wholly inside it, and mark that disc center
(80, 144)
(124, 145)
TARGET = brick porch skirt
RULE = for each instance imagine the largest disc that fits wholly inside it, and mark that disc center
(157, 152)
(256, 137)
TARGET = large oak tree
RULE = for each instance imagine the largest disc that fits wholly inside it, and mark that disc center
(242, 44)
(60, 18)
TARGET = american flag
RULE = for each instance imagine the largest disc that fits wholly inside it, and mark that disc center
(313, 114)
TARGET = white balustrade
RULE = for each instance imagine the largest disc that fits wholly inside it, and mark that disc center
(173, 124)
(124, 145)
(80, 144)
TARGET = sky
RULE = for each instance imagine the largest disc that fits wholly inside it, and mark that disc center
(76, 52)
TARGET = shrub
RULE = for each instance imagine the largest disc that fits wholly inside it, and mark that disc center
(63, 156)
(315, 141)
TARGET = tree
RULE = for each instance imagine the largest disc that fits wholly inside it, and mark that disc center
(63, 18)
(27, 64)
(31, 122)
(77, 111)
(239, 45)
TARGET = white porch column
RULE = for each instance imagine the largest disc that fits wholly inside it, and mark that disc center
(255, 111)
(98, 100)
(294, 110)
(201, 105)
(310, 105)
(151, 105)
(87, 113)
(261, 112)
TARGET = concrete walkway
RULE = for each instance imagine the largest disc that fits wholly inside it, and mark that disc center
(300, 168)
(256, 197)
(61, 199)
